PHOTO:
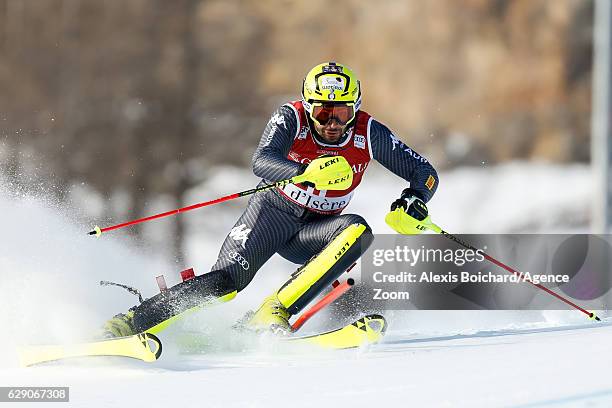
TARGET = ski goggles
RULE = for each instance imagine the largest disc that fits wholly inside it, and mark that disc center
(322, 112)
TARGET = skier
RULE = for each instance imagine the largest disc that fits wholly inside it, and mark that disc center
(301, 223)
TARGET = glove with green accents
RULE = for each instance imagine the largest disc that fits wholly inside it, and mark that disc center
(412, 203)
(408, 213)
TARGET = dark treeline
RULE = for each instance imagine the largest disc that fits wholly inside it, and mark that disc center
(143, 96)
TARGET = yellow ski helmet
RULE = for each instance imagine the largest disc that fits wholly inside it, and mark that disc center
(331, 89)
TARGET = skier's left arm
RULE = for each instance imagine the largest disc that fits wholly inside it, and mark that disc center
(403, 161)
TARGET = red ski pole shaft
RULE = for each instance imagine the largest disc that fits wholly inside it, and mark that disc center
(335, 293)
(502, 265)
(97, 231)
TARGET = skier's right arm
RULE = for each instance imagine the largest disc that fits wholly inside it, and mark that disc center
(270, 160)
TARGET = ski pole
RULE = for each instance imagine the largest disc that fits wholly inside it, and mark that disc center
(334, 294)
(97, 231)
(326, 173)
(427, 223)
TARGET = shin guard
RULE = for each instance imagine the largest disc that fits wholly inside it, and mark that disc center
(320, 271)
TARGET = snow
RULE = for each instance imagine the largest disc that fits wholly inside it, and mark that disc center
(560, 368)
(51, 268)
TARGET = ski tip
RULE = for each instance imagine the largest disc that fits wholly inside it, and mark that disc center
(382, 321)
(150, 337)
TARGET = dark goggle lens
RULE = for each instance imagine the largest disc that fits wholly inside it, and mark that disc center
(324, 113)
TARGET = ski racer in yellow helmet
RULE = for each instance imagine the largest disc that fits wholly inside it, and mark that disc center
(324, 134)
(331, 94)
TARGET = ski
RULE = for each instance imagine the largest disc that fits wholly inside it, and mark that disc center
(369, 329)
(364, 331)
(145, 346)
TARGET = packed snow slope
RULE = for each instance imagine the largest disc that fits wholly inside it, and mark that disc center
(50, 271)
(537, 368)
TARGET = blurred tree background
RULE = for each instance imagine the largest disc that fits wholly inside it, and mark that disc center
(140, 98)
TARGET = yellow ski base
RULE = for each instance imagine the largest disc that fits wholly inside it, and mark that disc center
(145, 347)
(367, 330)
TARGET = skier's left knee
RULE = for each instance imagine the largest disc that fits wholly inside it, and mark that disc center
(365, 238)
(349, 219)
(325, 267)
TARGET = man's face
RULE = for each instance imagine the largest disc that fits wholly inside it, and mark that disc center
(331, 132)
(331, 119)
